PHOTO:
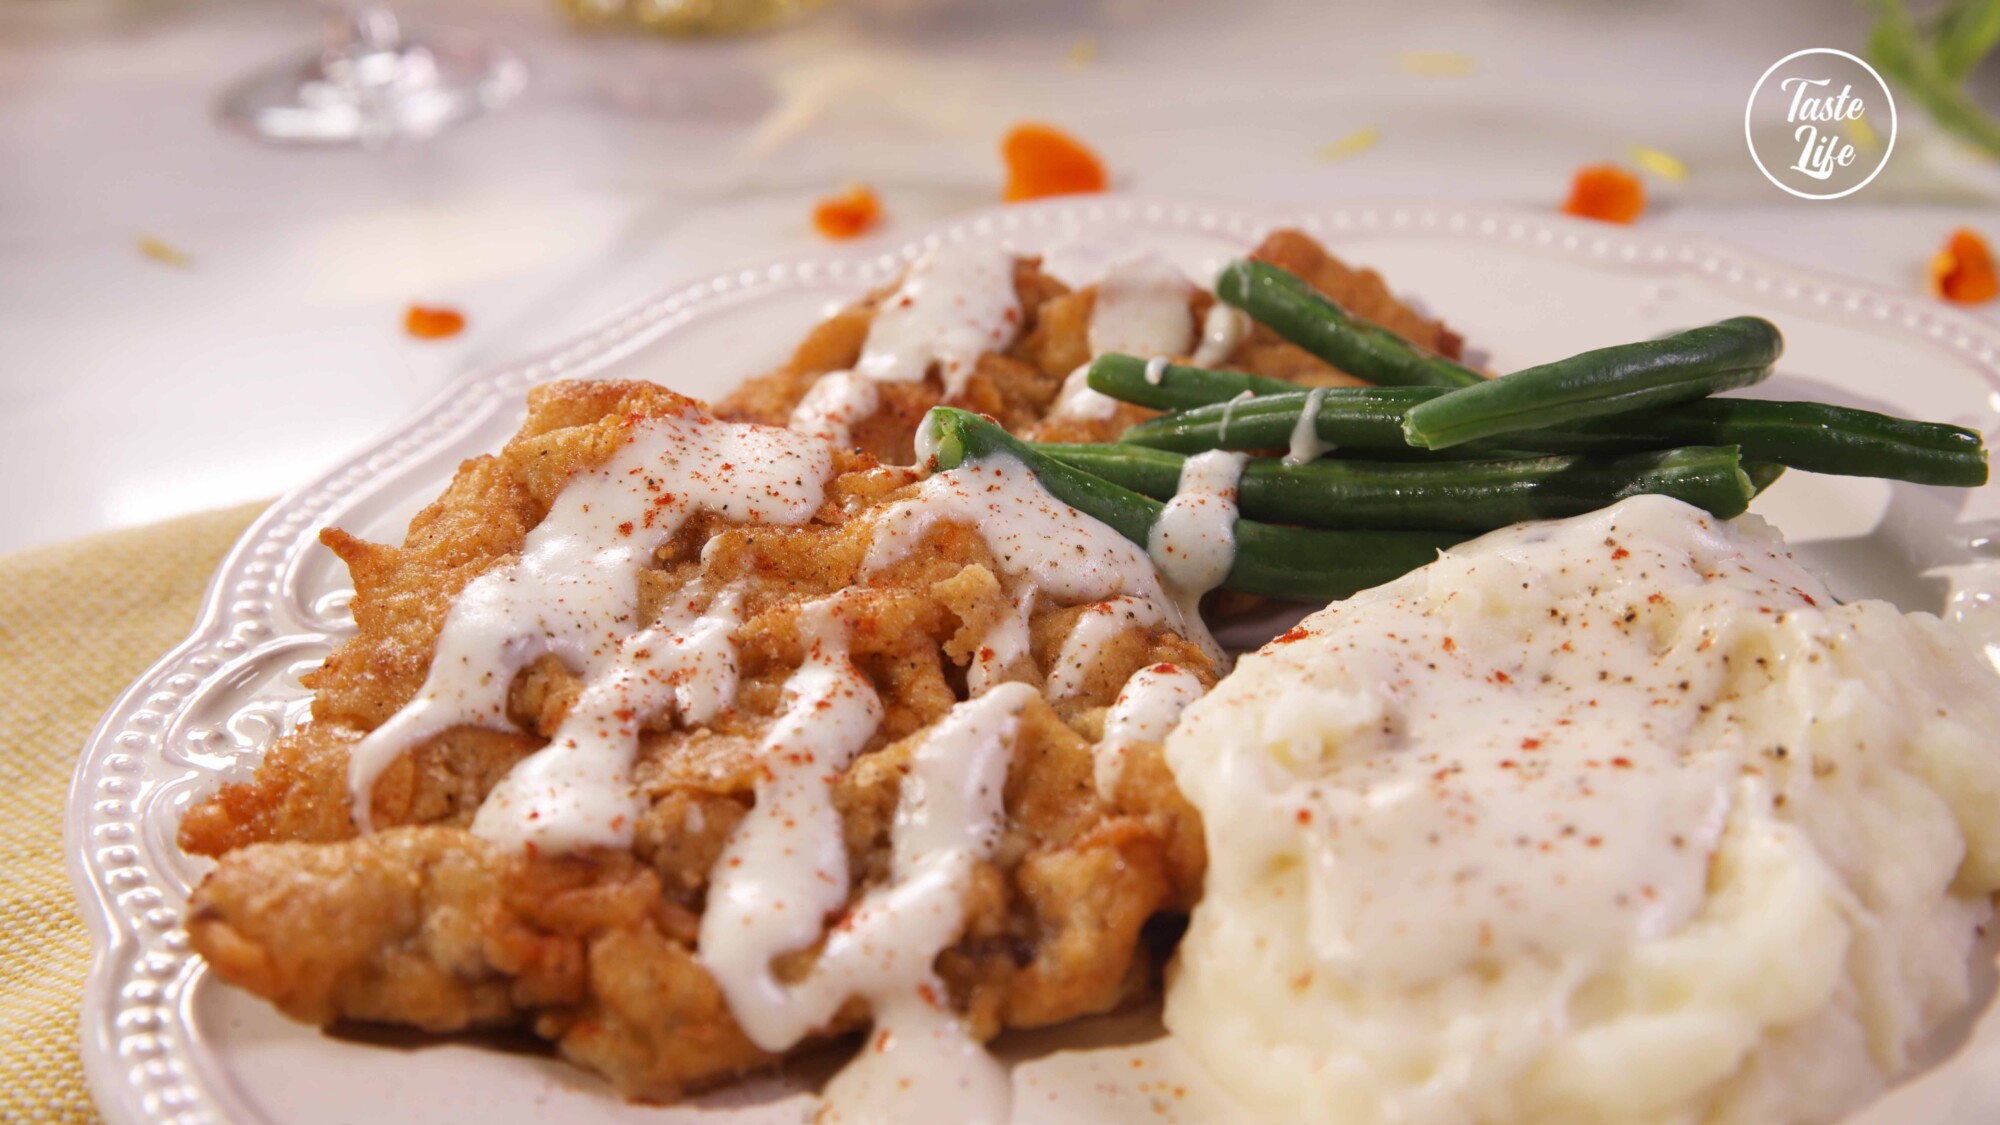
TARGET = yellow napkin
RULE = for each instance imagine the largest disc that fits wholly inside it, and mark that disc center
(78, 623)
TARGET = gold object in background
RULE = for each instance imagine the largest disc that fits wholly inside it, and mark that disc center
(690, 17)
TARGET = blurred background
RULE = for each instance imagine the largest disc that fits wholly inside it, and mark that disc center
(191, 316)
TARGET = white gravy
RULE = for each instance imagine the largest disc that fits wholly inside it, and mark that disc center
(1229, 413)
(1307, 445)
(1193, 543)
(1078, 399)
(574, 593)
(1003, 645)
(1146, 709)
(785, 871)
(1141, 308)
(1066, 554)
(1096, 627)
(955, 304)
(1222, 329)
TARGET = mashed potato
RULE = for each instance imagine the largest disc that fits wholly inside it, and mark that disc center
(1617, 819)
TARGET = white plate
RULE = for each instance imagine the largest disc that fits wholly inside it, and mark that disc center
(163, 1043)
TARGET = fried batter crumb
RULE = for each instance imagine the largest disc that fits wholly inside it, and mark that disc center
(424, 924)
(1020, 387)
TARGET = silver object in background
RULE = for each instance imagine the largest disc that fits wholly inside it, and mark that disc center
(371, 85)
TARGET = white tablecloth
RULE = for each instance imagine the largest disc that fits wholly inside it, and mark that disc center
(135, 390)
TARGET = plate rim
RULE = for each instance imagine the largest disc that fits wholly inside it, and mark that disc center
(140, 1064)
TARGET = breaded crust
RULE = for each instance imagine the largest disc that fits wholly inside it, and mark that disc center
(423, 923)
(1020, 387)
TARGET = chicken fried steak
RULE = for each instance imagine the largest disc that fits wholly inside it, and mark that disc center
(687, 740)
(974, 328)
(585, 778)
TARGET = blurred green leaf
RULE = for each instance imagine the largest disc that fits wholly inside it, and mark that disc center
(1934, 75)
(1965, 33)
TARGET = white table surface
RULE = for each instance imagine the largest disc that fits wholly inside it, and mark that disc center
(131, 390)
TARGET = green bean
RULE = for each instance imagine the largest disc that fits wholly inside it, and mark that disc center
(1365, 418)
(1170, 386)
(1762, 474)
(1816, 437)
(1469, 496)
(1291, 563)
(1619, 379)
(1295, 310)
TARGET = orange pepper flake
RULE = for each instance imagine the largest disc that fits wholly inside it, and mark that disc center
(1606, 192)
(433, 323)
(850, 214)
(1963, 270)
(1043, 160)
